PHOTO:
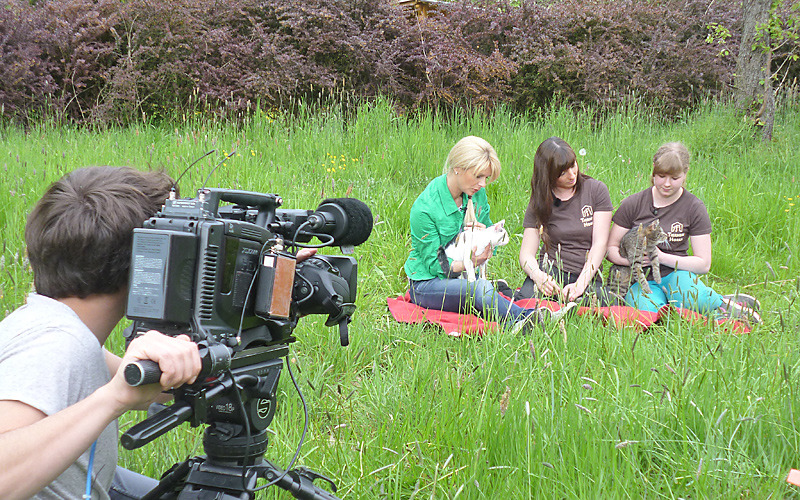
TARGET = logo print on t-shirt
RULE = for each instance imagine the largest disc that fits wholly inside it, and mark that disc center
(587, 213)
(676, 233)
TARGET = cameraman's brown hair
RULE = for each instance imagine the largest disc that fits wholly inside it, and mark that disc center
(79, 234)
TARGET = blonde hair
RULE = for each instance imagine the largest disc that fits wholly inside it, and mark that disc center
(474, 153)
(672, 159)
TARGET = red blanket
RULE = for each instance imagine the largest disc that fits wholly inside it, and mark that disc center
(455, 324)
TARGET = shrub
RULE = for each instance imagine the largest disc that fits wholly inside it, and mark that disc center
(27, 75)
(106, 61)
(604, 52)
(234, 55)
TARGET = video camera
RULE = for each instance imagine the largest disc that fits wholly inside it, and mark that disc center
(225, 276)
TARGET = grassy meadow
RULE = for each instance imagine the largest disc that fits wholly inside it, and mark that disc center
(591, 411)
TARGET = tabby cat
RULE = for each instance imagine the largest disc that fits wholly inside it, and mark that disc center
(637, 243)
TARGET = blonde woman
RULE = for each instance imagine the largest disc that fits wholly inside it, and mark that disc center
(437, 216)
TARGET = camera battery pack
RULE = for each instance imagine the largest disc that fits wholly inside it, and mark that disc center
(275, 284)
(162, 265)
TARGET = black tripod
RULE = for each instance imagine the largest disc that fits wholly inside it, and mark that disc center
(215, 478)
(238, 405)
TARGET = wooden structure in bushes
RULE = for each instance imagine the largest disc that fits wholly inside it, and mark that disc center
(422, 8)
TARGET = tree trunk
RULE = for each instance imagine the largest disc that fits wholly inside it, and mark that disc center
(767, 119)
(751, 67)
(752, 84)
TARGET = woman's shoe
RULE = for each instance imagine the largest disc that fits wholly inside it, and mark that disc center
(741, 311)
(744, 299)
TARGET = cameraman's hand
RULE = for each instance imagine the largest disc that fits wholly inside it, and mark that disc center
(177, 357)
(305, 253)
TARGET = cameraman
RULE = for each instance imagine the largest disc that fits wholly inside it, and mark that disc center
(60, 390)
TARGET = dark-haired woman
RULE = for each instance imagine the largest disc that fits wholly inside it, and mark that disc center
(569, 217)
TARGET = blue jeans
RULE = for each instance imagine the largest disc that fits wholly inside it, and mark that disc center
(129, 485)
(679, 288)
(459, 295)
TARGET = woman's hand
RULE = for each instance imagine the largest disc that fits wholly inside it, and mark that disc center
(482, 258)
(572, 291)
(546, 284)
(659, 253)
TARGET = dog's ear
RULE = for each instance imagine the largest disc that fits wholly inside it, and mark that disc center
(499, 224)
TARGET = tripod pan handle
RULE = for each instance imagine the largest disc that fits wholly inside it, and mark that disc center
(142, 372)
(163, 421)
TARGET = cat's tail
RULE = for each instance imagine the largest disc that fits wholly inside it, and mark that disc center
(540, 317)
(557, 315)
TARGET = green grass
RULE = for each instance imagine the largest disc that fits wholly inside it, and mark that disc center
(679, 411)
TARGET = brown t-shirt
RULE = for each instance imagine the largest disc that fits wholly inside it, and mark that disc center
(570, 225)
(683, 219)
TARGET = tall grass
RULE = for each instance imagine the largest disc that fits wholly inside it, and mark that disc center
(592, 411)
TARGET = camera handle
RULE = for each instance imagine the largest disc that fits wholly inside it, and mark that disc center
(214, 359)
(266, 203)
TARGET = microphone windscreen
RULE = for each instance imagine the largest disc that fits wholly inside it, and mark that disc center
(358, 225)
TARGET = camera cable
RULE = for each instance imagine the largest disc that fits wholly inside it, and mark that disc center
(325, 239)
(310, 294)
(243, 410)
(302, 437)
(88, 494)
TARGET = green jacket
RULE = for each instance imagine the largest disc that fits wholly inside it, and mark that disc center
(435, 221)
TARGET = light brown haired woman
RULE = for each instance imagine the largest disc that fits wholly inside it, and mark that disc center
(685, 219)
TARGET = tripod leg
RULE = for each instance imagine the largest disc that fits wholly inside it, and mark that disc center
(170, 482)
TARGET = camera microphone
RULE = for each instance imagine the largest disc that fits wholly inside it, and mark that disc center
(348, 220)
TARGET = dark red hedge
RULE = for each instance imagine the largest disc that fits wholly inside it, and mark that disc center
(113, 61)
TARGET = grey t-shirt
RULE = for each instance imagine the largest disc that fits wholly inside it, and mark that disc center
(50, 360)
(571, 224)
